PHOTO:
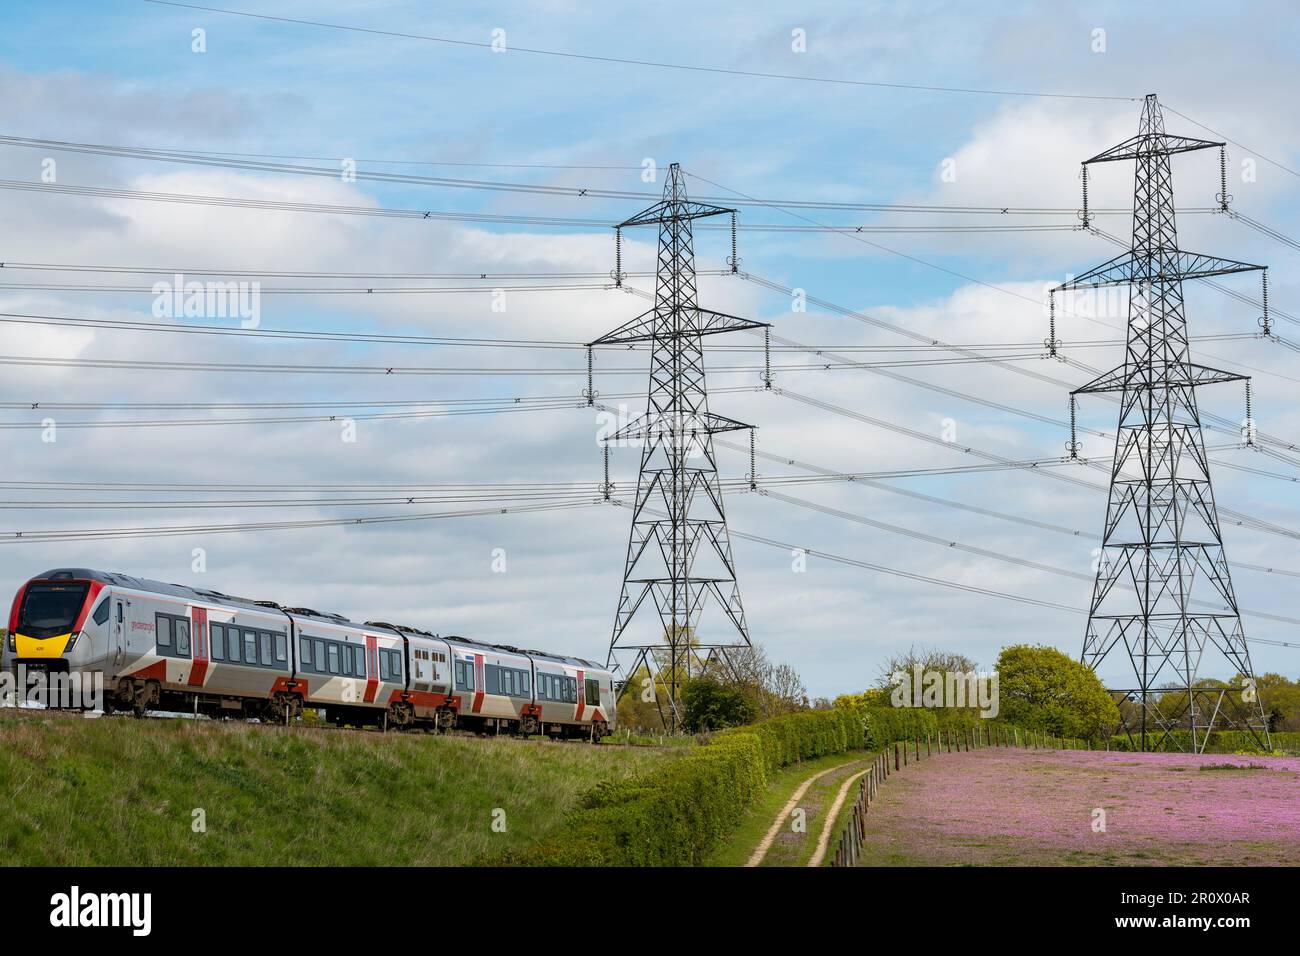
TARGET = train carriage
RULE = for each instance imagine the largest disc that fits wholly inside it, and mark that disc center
(178, 648)
(355, 672)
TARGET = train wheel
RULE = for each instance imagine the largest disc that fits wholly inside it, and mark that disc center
(400, 715)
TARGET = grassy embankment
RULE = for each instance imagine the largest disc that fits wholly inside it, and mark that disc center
(121, 791)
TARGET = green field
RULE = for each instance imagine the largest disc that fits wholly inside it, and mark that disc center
(122, 791)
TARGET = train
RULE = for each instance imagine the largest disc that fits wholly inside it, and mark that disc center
(169, 647)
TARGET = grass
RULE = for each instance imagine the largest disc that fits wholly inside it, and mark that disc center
(125, 792)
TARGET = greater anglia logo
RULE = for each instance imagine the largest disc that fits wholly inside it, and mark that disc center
(77, 909)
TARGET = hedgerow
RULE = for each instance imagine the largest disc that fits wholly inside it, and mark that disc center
(675, 815)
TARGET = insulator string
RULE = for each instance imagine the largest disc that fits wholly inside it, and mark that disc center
(753, 471)
(618, 257)
(735, 262)
(1223, 179)
(767, 359)
(1264, 322)
(1085, 196)
(1250, 416)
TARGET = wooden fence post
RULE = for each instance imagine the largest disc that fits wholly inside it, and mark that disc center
(927, 744)
(896, 765)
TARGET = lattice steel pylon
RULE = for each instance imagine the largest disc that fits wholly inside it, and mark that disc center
(679, 552)
(1163, 588)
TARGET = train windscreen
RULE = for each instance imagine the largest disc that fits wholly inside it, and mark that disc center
(50, 610)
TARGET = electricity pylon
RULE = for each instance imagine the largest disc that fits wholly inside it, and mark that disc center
(679, 552)
(1163, 588)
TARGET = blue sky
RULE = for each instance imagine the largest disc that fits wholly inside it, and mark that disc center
(124, 73)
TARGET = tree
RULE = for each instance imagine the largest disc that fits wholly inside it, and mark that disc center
(710, 704)
(775, 688)
(1281, 699)
(930, 659)
(1042, 689)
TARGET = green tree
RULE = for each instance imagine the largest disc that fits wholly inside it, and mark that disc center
(709, 704)
(1042, 689)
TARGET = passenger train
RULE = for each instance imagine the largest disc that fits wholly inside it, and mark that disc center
(176, 648)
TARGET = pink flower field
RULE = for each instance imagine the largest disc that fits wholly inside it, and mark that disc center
(1037, 807)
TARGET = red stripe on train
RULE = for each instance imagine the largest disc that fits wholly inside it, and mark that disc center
(199, 643)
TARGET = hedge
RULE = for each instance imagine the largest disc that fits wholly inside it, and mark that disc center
(1221, 741)
(674, 815)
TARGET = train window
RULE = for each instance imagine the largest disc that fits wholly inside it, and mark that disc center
(395, 664)
(304, 653)
(250, 647)
(233, 642)
(101, 613)
(264, 640)
(593, 691)
(359, 661)
(384, 672)
(571, 689)
(464, 675)
(182, 632)
(164, 633)
(319, 656)
(281, 648)
(217, 642)
(349, 662)
(333, 650)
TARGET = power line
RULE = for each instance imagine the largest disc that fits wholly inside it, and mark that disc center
(568, 222)
(640, 62)
(387, 370)
(102, 534)
(879, 485)
(971, 549)
(1272, 162)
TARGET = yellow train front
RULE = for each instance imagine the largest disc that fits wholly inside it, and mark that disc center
(55, 621)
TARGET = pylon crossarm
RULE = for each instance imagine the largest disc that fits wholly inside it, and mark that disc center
(1132, 377)
(708, 322)
(666, 426)
(1152, 144)
(674, 210)
(1136, 267)
(650, 326)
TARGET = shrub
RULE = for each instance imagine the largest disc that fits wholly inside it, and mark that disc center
(674, 815)
(709, 704)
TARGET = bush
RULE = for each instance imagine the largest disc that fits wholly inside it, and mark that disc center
(709, 704)
(675, 815)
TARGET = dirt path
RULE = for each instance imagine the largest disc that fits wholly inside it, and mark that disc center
(769, 838)
(1070, 808)
(825, 839)
(784, 845)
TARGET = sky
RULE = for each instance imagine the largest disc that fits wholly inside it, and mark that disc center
(132, 73)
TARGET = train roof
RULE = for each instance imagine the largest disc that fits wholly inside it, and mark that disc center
(203, 594)
(157, 587)
(456, 640)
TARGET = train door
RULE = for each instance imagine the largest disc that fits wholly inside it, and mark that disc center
(119, 629)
